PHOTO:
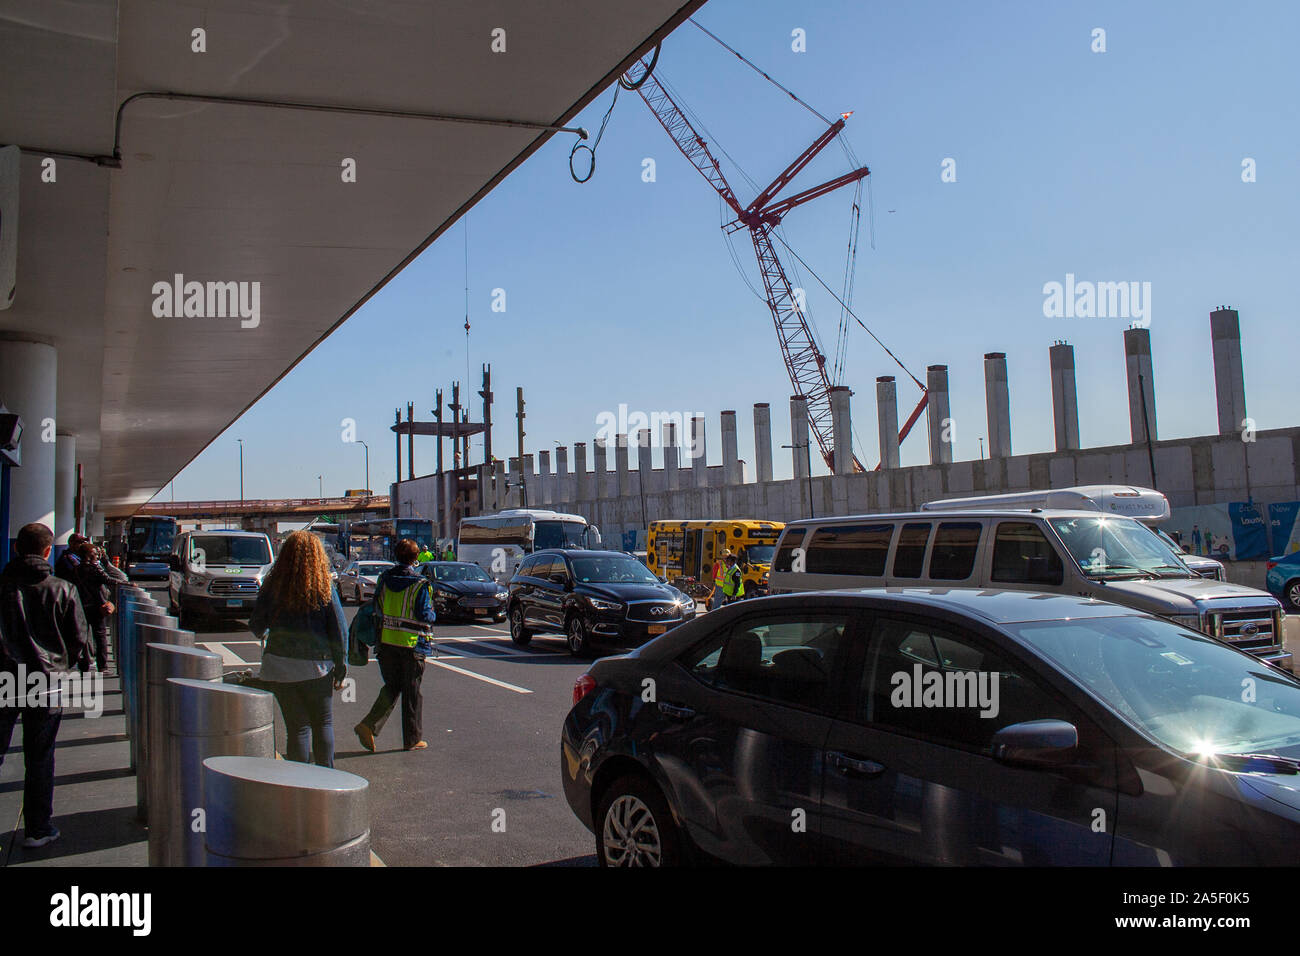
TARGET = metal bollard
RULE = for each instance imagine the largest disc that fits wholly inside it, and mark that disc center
(283, 813)
(208, 720)
(148, 634)
(127, 642)
(166, 661)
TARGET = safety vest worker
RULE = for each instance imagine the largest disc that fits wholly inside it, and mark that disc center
(733, 581)
(406, 609)
(424, 555)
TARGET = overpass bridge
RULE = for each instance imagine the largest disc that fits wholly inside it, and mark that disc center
(262, 511)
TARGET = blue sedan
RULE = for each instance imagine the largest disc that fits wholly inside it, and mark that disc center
(1284, 580)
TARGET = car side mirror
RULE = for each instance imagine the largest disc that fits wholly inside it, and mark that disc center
(1037, 744)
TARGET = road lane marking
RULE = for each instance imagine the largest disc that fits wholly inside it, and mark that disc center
(228, 657)
(482, 677)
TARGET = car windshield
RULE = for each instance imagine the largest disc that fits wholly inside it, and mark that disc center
(373, 568)
(1110, 548)
(558, 534)
(612, 571)
(1188, 691)
(760, 553)
(459, 572)
(219, 549)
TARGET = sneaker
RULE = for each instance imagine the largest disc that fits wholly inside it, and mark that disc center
(419, 745)
(366, 736)
(35, 842)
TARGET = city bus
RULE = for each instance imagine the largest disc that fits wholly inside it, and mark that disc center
(373, 540)
(498, 542)
(148, 545)
(683, 552)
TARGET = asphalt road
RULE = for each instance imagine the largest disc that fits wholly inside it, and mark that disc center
(487, 791)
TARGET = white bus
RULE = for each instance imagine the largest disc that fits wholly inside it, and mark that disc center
(497, 543)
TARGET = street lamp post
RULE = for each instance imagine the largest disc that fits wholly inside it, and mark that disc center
(241, 469)
(367, 448)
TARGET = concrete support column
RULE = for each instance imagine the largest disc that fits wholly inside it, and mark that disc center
(762, 441)
(544, 493)
(28, 387)
(731, 474)
(644, 462)
(1065, 398)
(600, 468)
(842, 429)
(65, 487)
(699, 454)
(939, 414)
(499, 496)
(530, 482)
(1229, 376)
(581, 491)
(887, 420)
(1137, 357)
(560, 490)
(997, 404)
(620, 464)
(514, 491)
(670, 455)
(800, 453)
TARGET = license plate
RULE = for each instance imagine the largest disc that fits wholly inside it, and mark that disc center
(480, 610)
(234, 602)
(656, 628)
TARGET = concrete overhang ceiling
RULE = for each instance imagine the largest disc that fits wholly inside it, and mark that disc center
(235, 193)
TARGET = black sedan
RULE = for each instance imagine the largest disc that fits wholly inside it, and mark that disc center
(464, 590)
(935, 727)
(592, 597)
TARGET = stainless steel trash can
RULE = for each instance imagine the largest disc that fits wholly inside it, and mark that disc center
(208, 720)
(283, 813)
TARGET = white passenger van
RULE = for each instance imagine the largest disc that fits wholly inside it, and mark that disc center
(216, 574)
(497, 543)
(1089, 551)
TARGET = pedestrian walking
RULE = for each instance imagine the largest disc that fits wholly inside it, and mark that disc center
(733, 580)
(95, 587)
(719, 569)
(404, 615)
(450, 553)
(423, 554)
(300, 616)
(42, 631)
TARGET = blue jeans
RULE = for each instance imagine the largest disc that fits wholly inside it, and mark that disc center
(308, 709)
(40, 728)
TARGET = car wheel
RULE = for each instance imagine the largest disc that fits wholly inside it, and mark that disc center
(579, 643)
(519, 634)
(1291, 596)
(634, 826)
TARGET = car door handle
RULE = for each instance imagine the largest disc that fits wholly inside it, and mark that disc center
(855, 766)
(677, 713)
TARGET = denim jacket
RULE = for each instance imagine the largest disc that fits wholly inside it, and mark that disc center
(319, 635)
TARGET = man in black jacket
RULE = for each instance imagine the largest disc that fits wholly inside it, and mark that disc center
(42, 630)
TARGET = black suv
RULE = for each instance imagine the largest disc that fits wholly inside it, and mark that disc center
(592, 596)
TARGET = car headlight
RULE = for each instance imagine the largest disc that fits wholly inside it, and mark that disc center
(502, 594)
(600, 605)
(196, 580)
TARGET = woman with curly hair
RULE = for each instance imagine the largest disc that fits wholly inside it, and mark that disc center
(299, 615)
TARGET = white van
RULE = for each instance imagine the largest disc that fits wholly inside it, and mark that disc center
(1145, 504)
(497, 543)
(216, 574)
(1098, 555)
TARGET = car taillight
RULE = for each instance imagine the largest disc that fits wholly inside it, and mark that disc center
(583, 686)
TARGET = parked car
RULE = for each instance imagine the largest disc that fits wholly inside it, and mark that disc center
(606, 597)
(1205, 567)
(462, 589)
(216, 575)
(357, 580)
(1283, 580)
(801, 730)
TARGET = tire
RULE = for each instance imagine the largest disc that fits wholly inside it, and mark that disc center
(634, 826)
(519, 634)
(576, 637)
(1291, 596)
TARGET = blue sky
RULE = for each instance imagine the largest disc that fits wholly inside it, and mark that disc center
(1115, 166)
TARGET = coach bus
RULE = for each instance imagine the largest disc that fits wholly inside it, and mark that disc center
(148, 545)
(497, 543)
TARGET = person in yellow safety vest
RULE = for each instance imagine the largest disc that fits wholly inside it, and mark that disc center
(733, 581)
(404, 618)
(424, 555)
(719, 568)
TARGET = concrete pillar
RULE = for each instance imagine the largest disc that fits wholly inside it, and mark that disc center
(544, 493)
(581, 491)
(644, 462)
(842, 429)
(28, 387)
(762, 441)
(65, 487)
(530, 483)
(800, 452)
(1229, 376)
(1137, 357)
(997, 404)
(499, 497)
(887, 420)
(599, 483)
(95, 526)
(560, 490)
(698, 453)
(731, 473)
(670, 455)
(1065, 399)
(939, 414)
(620, 464)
